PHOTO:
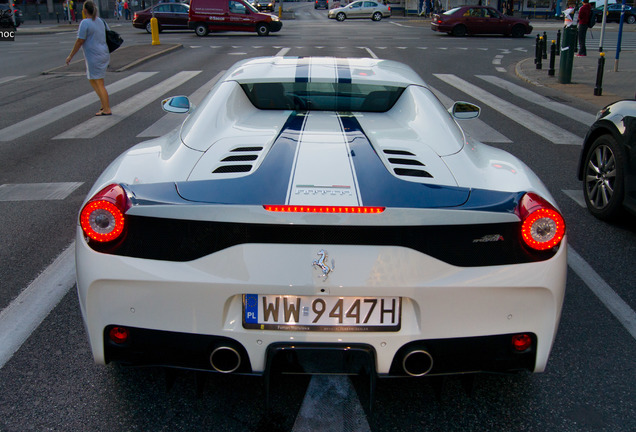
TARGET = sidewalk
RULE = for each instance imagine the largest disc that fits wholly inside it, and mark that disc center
(615, 85)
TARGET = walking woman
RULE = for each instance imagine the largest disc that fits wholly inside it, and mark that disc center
(91, 36)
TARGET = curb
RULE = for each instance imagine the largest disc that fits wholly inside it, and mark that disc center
(121, 60)
(149, 57)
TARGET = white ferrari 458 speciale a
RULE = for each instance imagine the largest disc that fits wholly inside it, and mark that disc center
(321, 215)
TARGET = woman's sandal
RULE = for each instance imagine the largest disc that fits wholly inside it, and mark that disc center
(102, 113)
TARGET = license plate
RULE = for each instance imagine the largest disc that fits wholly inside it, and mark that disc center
(321, 313)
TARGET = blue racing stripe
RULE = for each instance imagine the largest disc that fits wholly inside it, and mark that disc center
(343, 71)
(302, 70)
(267, 185)
(378, 187)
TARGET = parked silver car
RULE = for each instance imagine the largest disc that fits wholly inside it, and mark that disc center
(361, 9)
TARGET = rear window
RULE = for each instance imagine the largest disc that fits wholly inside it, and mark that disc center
(318, 96)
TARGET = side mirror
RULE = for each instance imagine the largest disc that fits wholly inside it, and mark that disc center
(465, 111)
(176, 104)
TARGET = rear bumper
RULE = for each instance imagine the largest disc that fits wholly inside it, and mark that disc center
(487, 354)
(203, 299)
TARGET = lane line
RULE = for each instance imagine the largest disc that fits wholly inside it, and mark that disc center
(612, 301)
(27, 311)
(37, 191)
(371, 53)
(52, 115)
(10, 78)
(525, 118)
(171, 121)
(576, 195)
(331, 404)
(522, 92)
(93, 127)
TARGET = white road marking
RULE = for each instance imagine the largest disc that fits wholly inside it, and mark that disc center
(476, 128)
(530, 96)
(37, 191)
(501, 69)
(331, 404)
(576, 195)
(25, 313)
(93, 127)
(10, 78)
(371, 53)
(171, 121)
(282, 52)
(54, 114)
(525, 118)
(612, 301)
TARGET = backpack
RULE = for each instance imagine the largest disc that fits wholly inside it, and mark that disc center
(592, 21)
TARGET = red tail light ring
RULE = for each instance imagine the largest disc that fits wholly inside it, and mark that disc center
(542, 226)
(102, 218)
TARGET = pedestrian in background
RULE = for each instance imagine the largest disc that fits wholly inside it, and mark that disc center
(126, 9)
(585, 13)
(91, 37)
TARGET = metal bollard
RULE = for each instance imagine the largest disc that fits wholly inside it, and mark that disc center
(544, 46)
(40, 17)
(598, 90)
(558, 42)
(57, 14)
(536, 49)
(552, 58)
(539, 50)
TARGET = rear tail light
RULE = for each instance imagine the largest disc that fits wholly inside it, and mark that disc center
(103, 217)
(323, 209)
(542, 226)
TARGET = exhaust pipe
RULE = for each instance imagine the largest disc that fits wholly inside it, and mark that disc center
(225, 359)
(417, 363)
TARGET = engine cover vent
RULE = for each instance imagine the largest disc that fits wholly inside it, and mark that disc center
(407, 165)
(235, 163)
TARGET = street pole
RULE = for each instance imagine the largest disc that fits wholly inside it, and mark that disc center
(620, 37)
(600, 42)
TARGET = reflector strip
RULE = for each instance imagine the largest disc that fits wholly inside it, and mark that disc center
(323, 209)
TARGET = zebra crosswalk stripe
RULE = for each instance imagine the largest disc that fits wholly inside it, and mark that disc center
(45, 118)
(525, 118)
(530, 96)
(97, 125)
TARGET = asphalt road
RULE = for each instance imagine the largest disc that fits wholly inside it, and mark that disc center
(51, 383)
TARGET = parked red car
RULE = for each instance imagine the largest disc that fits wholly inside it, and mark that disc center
(464, 20)
(170, 16)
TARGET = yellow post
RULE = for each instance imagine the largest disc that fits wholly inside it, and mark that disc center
(154, 26)
(280, 10)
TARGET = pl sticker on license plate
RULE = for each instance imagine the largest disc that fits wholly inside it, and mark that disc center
(321, 313)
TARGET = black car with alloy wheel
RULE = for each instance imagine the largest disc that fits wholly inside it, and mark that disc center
(614, 11)
(607, 164)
